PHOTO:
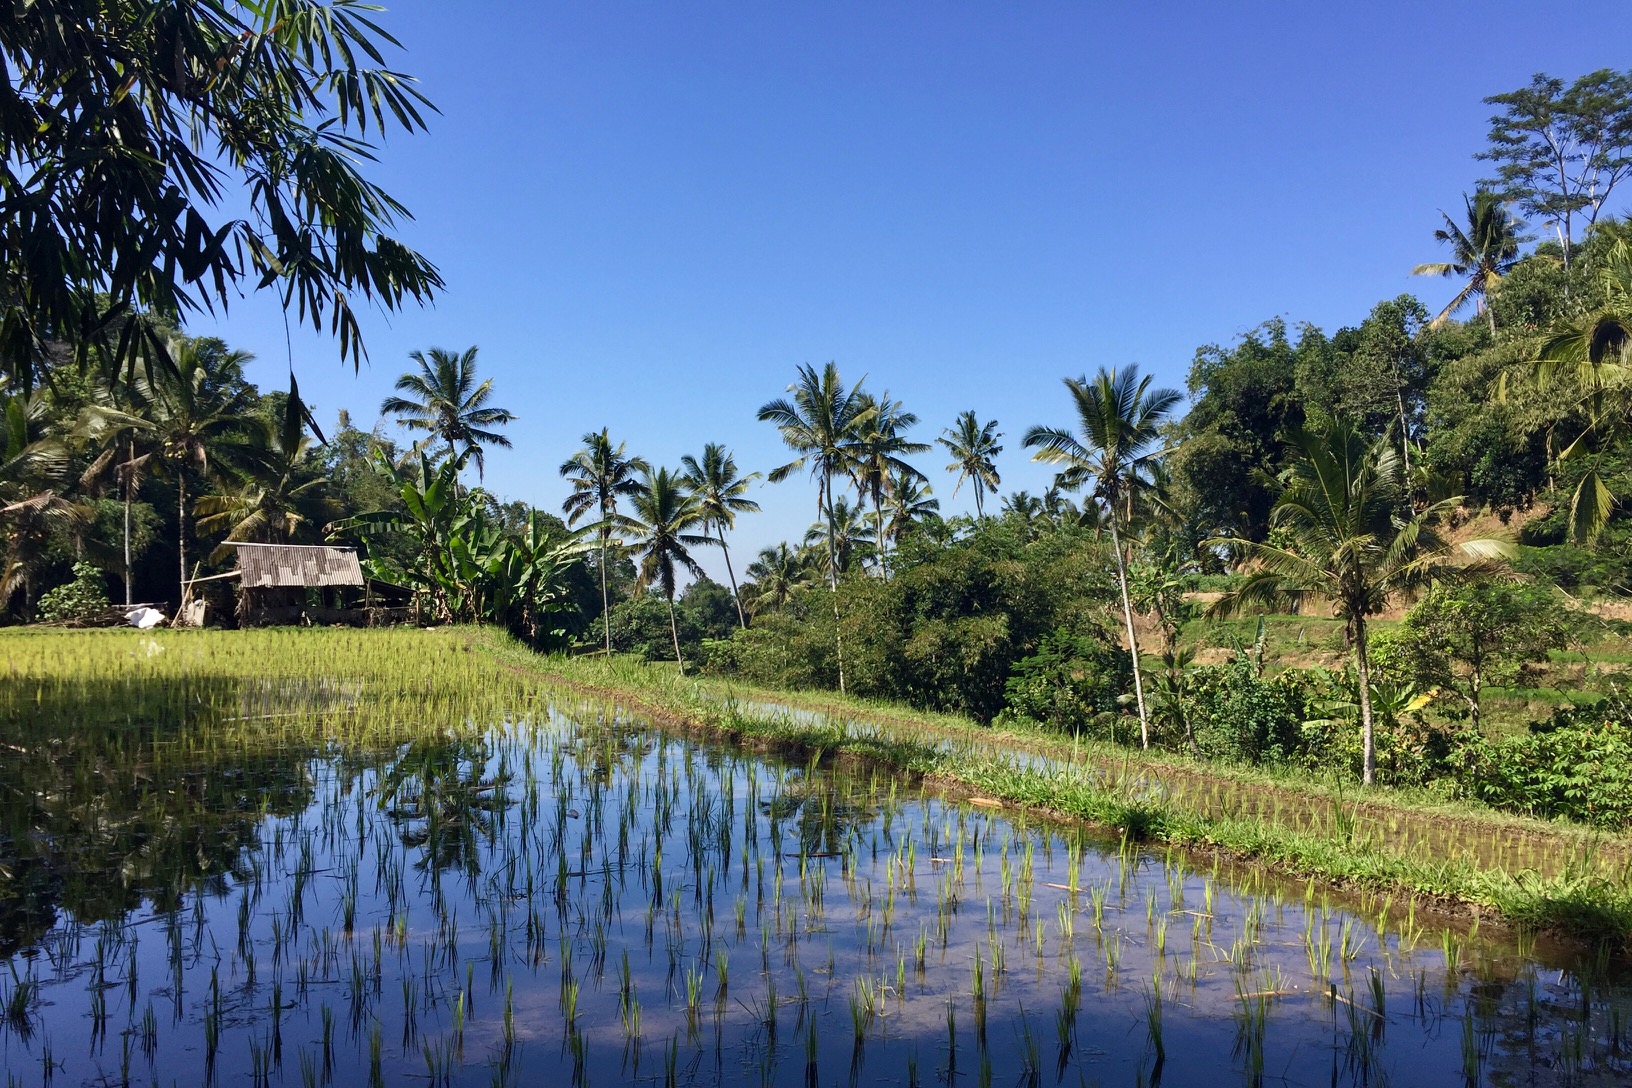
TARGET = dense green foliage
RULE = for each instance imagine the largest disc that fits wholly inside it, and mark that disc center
(1577, 766)
(1454, 468)
(161, 159)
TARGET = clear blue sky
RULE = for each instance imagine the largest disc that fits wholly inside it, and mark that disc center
(648, 214)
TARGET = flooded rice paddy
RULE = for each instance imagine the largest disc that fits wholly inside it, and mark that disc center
(539, 890)
(1515, 847)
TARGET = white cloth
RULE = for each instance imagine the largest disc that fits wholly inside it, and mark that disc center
(144, 618)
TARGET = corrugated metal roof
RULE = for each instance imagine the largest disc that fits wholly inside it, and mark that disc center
(284, 565)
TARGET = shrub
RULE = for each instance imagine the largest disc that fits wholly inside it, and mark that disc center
(86, 596)
(1576, 766)
(1071, 682)
(1241, 716)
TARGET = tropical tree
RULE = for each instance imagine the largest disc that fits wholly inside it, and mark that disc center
(32, 466)
(910, 503)
(722, 491)
(1119, 416)
(116, 420)
(823, 423)
(534, 568)
(445, 401)
(601, 474)
(1484, 251)
(880, 458)
(201, 414)
(163, 158)
(1025, 509)
(841, 539)
(432, 512)
(662, 513)
(974, 449)
(1349, 536)
(779, 574)
(1592, 356)
(274, 480)
(1560, 151)
(1459, 639)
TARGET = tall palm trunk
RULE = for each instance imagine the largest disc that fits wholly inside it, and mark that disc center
(674, 630)
(878, 512)
(980, 508)
(606, 606)
(1133, 639)
(833, 573)
(130, 482)
(736, 597)
(181, 540)
(1368, 739)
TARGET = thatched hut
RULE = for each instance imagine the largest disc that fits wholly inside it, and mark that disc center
(289, 583)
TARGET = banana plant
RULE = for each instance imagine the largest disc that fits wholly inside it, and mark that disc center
(434, 514)
(532, 577)
(466, 567)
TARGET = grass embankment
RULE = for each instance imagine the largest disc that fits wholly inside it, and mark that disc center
(1454, 856)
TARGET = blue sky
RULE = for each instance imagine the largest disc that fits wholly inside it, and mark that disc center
(649, 214)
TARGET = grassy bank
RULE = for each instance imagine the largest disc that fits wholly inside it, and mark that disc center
(1574, 884)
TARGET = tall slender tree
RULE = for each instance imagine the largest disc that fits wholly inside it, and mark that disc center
(278, 475)
(1351, 538)
(662, 513)
(1119, 416)
(1484, 251)
(779, 574)
(601, 474)
(974, 449)
(910, 502)
(722, 491)
(1560, 151)
(822, 422)
(880, 459)
(201, 415)
(116, 420)
(445, 401)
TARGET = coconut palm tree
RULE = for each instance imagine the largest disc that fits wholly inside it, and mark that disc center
(201, 413)
(1352, 539)
(33, 461)
(1119, 415)
(841, 539)
(880, 458)
(779, 574)
(444, 399)
(974, 449)
(1593, 354)
(722, 490)
(116, 421)
(823, 423)
(1484, 251)
(910, 502)
(601, 474)
(275, 479)
(662, 511)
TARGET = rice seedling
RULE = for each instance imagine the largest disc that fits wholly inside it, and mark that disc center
(366, 835)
